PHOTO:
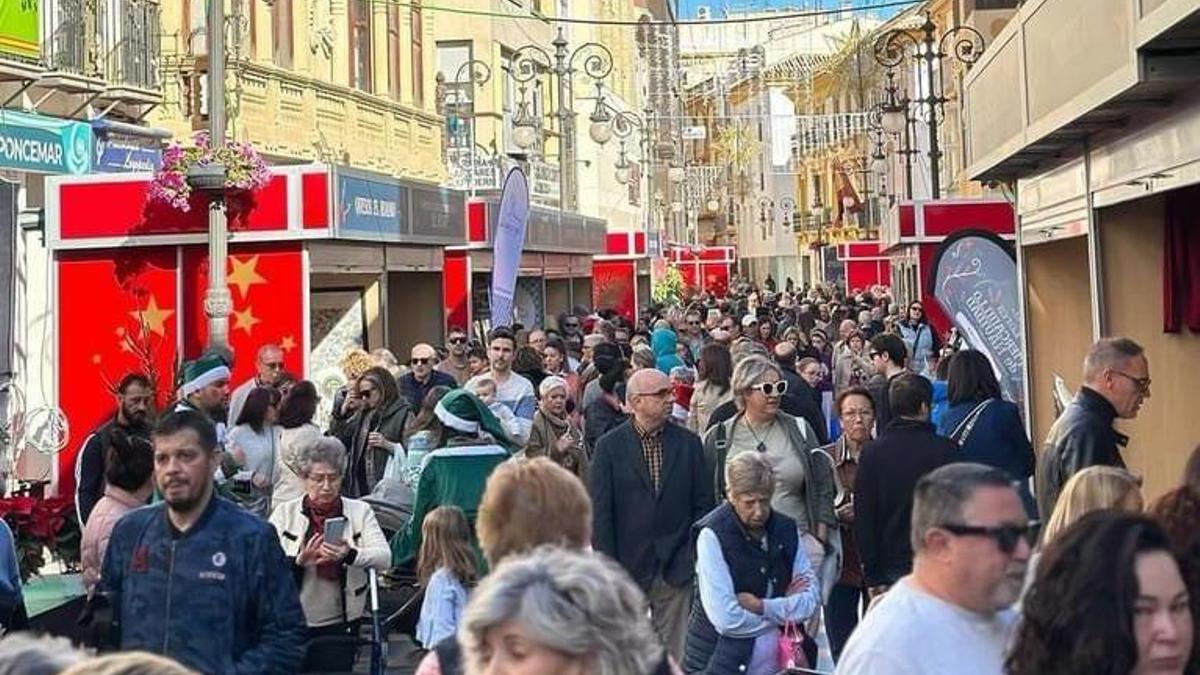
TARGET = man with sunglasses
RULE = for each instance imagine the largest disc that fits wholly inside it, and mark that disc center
(888, 469)
(457, 363)
(268, 367)
(1116, 381)
(422, 376)
(953, 614)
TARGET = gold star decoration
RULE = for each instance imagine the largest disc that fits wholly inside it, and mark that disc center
(244, 320)
(244, 274)
(154, 317)
(288, 343)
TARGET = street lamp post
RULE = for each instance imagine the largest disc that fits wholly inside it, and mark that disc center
(961, 43)
(479, 74)
(528, 63)
(217, 301)
(787, 210)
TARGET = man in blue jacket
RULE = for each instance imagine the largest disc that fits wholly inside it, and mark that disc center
(195, 577)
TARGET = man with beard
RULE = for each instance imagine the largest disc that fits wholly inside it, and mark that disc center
(194, 577)
(953, 614)
(135, 398)
(205, 389)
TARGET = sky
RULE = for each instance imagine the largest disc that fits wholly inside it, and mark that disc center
(687, 8)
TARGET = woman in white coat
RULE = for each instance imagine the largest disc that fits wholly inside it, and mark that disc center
(331, 574)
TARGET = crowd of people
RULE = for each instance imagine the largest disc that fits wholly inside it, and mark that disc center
(705, 488)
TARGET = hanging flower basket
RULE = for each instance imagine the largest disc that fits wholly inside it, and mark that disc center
(232, 167)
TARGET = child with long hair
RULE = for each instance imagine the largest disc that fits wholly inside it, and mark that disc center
(446, 568)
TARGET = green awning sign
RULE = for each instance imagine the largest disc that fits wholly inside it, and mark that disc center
(19, 28)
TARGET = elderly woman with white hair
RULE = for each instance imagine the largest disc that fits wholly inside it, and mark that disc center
(561, 612)
(804, 488)
(753, 576)
(330, 573)
(554, 435)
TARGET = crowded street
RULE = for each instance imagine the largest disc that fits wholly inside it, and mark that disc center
(605, 337)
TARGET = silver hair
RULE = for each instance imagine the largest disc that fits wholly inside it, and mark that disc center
(942, 495)
(749, 372)
(749, 473)
(29, 654)
(1112, 352)
(550, 383)
(577, 603)
(328, 451)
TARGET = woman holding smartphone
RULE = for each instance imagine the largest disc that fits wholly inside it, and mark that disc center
(332, 541)
(554, 435)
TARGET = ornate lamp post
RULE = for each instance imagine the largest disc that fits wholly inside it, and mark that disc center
(476, 74)
(528, 64)
(961, 43)
(787, 212)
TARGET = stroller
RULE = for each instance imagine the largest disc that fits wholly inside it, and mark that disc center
(401, 593)
(322, 651)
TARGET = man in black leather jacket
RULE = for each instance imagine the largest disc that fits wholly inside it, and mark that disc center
(1116, 378)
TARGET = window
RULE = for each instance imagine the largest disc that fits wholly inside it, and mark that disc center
(360, 44)
(253, 29)
(418, 61)
(393, 44)
(281, 33)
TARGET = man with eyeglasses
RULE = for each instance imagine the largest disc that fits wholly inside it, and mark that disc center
(888, 469)
(457, 363)
(888, 356)
(422, 376)
(268, 367)
(694, 334)
(953, 614)
(649, 485)
(1116, 381)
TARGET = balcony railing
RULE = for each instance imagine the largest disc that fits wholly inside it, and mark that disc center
(112, 40)
(818, 132)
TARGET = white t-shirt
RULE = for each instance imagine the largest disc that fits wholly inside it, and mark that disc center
(911, 632)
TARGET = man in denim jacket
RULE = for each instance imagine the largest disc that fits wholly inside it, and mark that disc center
(195, 577)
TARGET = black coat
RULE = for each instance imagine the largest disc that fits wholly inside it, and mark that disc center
(414, 392)
(888, 470)
(1082, 436)
(649, 534)
(796, 402)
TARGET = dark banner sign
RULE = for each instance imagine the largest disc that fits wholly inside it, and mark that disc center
(974, 279)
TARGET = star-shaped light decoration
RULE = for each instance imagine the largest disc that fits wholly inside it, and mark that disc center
(245, 320)
(244, 274)
(153, 316)
(288, 343)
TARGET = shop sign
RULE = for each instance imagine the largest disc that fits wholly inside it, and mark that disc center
(371, 208)
(19, 28)
(31, 142)
(439, 214)
(116, 155)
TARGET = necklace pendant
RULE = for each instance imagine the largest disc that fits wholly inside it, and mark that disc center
(762, 447)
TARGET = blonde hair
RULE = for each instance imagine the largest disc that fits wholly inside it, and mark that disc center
(355, 363)
(128, 663)
(749, 473)
(1092, 489)
(530, 502)
(446, 542)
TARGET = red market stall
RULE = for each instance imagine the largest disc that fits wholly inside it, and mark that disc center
(914, 230)
(621, 277)
(866, 265)
(704, 268)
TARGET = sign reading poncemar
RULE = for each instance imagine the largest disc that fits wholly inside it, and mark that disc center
(19, 28)
(44, 144)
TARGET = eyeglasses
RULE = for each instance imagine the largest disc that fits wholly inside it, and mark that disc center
(771, 388)
(459, 340)
(860, 414)
(325, 478)
(277, 365)
(418, 360)
(1143, 383)
(693, 323)
(874, 353)
(367, 392)
(661, 393)
(1007, 537)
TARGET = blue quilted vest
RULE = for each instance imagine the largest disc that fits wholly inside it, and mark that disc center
(751, 568)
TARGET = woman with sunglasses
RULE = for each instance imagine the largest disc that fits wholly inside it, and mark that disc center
(804, 487)
(373, 434)
(920, 338)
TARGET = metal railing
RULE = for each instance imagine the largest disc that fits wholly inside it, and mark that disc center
(818, 132)
(113, 40)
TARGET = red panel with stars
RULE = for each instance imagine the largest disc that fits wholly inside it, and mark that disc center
(266, 286)
(117, 315)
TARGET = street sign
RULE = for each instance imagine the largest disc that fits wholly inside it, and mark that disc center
(695, 133)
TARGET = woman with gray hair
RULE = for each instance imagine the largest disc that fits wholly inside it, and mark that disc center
(562, 612)
(330, 573)
(752, 575)
(804, 488)
(554, 434)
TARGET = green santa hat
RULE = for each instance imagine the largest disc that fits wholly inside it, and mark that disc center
(202, 372)
(462, 411)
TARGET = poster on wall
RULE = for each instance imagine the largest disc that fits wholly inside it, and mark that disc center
(337, 325)
(974, 279)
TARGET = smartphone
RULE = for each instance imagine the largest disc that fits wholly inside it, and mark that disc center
(335, 530)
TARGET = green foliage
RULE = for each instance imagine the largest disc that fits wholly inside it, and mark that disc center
(668, 290)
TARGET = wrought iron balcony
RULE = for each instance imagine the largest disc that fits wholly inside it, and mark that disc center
(115, 42)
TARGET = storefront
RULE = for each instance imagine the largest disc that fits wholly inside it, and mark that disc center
(1104, 156)
(865, 264)
(555, 270)
(916, 229)
(706, 268)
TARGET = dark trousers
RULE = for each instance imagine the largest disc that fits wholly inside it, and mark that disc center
(841, 615)
(331, 649)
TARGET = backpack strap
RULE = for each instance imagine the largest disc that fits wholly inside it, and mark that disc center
(963, 431)
(722, 446)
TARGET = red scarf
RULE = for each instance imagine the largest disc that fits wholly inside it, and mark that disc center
(316, 523)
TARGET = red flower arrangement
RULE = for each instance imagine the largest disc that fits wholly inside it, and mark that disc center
(39, 524)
